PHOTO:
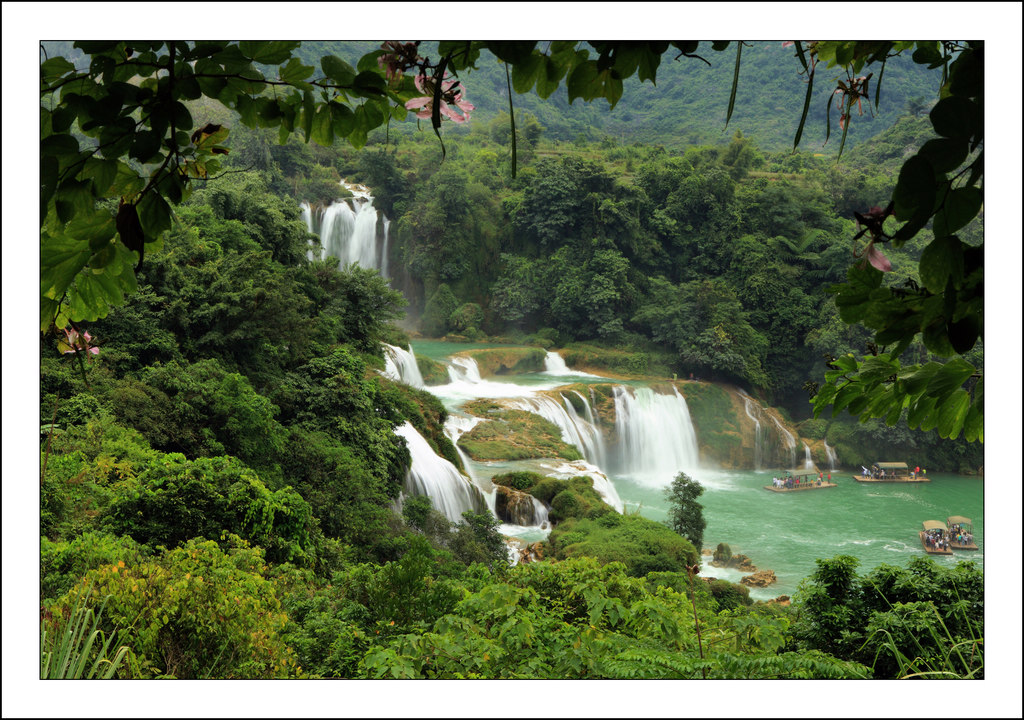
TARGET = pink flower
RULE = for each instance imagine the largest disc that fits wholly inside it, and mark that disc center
(877, 258)
(788, 43)
(76, 342)
(398, 58)
(451, 95)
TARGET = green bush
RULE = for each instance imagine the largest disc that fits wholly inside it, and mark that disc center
(729, 595)
(642, 545)
(522, 480)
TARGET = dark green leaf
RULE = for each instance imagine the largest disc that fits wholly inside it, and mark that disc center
(960, 207)
(963, 334)
(954, 117)
(95, 228)
(145, 146)
(296, 72)
(268, 52)
(942, 260)
(974, 423)
(154, 214)
(524, 73)
(945, 154)
(952, 413)
(58, 145)
(919, 410)
(735, 83)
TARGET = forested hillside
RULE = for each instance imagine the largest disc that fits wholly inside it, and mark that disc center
(227, 454)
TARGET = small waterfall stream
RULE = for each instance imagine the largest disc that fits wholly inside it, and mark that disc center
(401, 365)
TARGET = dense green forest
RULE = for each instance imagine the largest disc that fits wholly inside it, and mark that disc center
(220, 474)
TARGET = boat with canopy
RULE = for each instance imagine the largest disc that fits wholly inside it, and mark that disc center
(960, 532)
(934, 539)
(891, 472)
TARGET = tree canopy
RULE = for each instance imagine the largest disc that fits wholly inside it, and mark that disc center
(119, 148)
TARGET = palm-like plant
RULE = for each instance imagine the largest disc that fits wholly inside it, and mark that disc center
(78, 649)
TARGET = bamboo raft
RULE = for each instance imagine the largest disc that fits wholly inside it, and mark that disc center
(808, 481)
(801, 487)
(895, 472)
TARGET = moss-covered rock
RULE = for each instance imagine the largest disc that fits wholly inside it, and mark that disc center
(514, 506)
(513, 435)
(624, 363)
(507, 360)
(717, 419)
(522, 480)
(433, 372)
(729, 595)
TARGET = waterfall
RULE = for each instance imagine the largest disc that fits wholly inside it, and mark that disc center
(602, 485)
(555, 365)
(431, 475)
(401, 365)
(656, 440)
(519, 508)
(790, 440)
(348, 230)
(464, 369)
(386, 227)
(808, 461)
(759, 434)
(576, 431)
(831, 453)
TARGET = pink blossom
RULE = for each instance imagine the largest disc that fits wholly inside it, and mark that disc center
(76, 342)
(398, 58)
(451, 95)
(877, 258)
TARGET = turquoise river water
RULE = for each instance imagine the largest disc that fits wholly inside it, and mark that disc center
(787, 532)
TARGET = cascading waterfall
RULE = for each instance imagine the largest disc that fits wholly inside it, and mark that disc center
(790, 440)
(656, 436)
(401, 365)
(576, 431)
(808, 460)
(555, 365)
(759, 432)
(430, 474)
(348, 230)
(831, 453)
(602, 484)
(386, 228)
(464, 369)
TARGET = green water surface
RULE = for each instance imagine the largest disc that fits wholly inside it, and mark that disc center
(786, 532)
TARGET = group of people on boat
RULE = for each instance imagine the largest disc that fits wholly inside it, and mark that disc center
(936, 539)
(879, 473)
(960, 536)
(789, 482)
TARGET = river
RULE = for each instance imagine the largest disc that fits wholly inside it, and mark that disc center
(784, 532)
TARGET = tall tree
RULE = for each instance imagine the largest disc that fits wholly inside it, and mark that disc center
(685, 514)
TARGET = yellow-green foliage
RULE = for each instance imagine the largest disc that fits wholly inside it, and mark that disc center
(642, 545)
(507, 361)
(718, 427)
(194, 612)
(513, 435)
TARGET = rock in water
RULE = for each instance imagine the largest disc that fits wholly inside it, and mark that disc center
(762, 578)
